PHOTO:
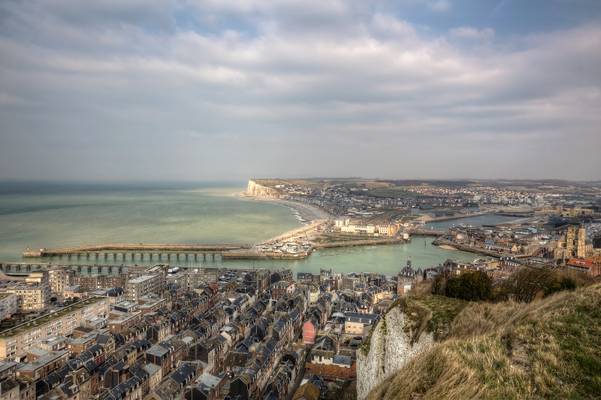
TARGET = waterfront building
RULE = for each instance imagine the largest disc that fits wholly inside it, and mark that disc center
(359, 229)
(345, 226)
(37, 278)
(15, 342)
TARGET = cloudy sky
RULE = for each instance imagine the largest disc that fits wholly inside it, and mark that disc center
(214, 89)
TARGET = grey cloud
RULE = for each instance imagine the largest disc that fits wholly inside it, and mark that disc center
(366, 95)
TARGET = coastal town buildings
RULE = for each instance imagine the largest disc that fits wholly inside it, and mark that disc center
(572, 243)
(30, 297)
(142, 286)
(208, 332)
(15, 341)
(59, 279)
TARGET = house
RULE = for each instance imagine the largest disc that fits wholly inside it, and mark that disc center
(41, 363)
(208, 387)
(356, 323)
(310, 329)
(161, 355)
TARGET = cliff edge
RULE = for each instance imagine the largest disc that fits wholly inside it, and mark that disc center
(411, 326)
(549, 348)
(256, 189)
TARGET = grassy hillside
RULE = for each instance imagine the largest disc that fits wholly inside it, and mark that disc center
(550, 348)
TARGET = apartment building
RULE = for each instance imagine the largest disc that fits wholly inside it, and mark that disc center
(30, 297)
(59, 279)
(142, 286)
(15, 342)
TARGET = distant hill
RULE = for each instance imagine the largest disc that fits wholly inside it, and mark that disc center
(550, 348)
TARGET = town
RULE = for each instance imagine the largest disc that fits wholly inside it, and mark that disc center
(162, 332)
(549, 223)
(165, 331)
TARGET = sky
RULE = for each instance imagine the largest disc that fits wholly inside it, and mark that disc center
(186, 90)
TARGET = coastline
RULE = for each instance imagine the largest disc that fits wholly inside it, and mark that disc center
(305, 213)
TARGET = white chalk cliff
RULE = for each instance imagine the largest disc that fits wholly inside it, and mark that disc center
(256, 190)
(390, 348)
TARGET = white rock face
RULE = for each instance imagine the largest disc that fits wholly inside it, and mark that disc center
(256, 190)
(390, 349)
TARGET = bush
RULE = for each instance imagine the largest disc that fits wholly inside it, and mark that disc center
(528, 283)
(472, 286)
(439, 285)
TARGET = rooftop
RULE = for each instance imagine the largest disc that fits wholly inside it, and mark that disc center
(142, 278)
(37, 322)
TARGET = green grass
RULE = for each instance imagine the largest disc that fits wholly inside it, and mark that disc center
(429, 313)
(40, 321)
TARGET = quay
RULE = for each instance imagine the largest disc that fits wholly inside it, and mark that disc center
(355, 243)
(474, 249)
(298, 232)
(425, 232)
(116, 251)
(263, 255)
(500, 212)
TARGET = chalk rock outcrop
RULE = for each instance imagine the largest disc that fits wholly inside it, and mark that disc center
(257, 190)
(389, 349)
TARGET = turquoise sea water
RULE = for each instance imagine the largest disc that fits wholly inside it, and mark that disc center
(63, 215)
(386, 259)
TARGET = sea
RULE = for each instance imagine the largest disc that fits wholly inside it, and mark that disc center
(37, 215)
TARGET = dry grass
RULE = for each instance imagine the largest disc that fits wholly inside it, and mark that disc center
(549, 348)
(429, 313)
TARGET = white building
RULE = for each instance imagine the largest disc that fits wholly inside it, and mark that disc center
(143, 286)
(59, 279)
(15, 342)
(30, 297)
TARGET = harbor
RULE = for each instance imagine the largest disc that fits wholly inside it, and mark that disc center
(247, 236)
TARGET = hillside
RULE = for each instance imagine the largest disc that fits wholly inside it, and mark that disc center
(550, 348)
(410, 327)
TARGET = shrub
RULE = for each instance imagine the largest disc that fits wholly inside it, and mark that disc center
(528, 283)
(472, 286)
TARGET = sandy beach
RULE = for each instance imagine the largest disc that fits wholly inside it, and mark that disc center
(305, 213)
